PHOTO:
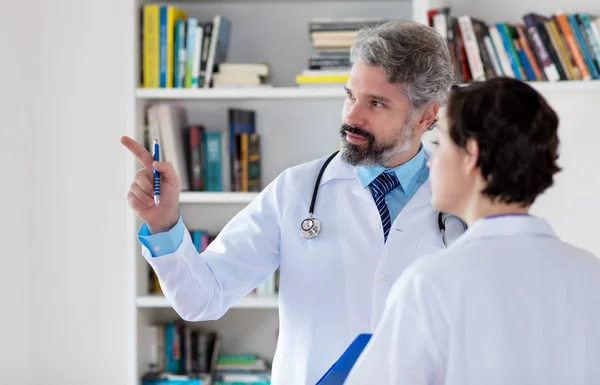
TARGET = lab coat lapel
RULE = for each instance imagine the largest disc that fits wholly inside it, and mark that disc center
(338, 169)
(421, 198)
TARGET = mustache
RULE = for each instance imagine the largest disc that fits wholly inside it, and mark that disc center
(357, 131)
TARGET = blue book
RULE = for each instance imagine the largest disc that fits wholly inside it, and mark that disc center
(162, 49)
(583, 46)
(336, 375)
(179, 54)
(212, 159)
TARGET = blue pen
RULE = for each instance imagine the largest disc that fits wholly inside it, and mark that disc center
(156, 175)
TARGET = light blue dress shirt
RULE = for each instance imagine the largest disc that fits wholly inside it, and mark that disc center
(411, 175)
(162, 243)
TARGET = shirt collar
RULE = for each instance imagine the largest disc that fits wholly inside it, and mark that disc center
(506, 225)
(407, 173)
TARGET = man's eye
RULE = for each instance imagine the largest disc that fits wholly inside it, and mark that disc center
(378, 104)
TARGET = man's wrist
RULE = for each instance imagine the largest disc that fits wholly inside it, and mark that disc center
(162, 227)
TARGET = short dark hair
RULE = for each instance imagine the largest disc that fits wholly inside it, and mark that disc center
(517, 133)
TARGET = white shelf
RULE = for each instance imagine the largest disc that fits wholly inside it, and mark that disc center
(216, 197)
(240, 93)
(250, 302)
(310, 93)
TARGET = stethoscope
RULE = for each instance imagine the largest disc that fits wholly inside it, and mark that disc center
(311, 227)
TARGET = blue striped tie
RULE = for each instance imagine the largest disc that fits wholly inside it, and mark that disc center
(382, 185)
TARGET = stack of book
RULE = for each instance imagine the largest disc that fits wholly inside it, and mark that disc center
(207, 159)
(331, 41)
(241, 369)
(562, 46)
(179, 51)
(241, 75)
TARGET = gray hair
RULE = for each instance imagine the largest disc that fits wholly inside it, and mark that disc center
(411, 54)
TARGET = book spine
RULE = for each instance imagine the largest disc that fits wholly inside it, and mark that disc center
(593, 35)
(541, 52)
(471, 48)
(572, 46)
(192, 24)
(213, 155)
(561, 50)
(584, 45)
(162, 68)
(243, 161)
(507, 68)
(150, 55)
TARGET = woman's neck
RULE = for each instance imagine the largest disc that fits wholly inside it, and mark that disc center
(484, 207)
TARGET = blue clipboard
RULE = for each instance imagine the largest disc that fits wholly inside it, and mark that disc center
(336, 375)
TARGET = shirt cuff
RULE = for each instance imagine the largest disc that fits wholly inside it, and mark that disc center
(160, 244)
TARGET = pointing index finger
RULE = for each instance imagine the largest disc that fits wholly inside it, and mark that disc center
(139, 152)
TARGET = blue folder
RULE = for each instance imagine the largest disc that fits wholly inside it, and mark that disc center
(336, 375)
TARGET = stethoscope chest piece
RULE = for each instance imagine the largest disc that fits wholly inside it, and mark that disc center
(310, 228)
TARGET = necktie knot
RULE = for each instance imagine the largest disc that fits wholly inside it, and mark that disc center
(384, 183)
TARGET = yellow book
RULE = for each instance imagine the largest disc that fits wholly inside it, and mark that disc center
(563, 56)
(150, 44)
(244, 161)
(311, 79)
(173, 13)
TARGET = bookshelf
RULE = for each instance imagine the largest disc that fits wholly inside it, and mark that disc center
(296, 124)
(283, 93)
(216, 197)
(275, 93)
(157, 301)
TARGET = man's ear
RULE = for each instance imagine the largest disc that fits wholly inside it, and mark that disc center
(472, 154)
(427, 116)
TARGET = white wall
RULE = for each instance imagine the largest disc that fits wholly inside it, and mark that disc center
(15, 232)
(572, 205)
(67, 319)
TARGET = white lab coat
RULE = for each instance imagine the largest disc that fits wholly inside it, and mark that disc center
(507, 303)
(332, 287)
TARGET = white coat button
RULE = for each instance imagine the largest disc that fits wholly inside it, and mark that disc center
(381, 278)
(375, 223)
(156, 248)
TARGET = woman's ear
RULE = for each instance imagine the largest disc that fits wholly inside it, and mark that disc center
(471, 154)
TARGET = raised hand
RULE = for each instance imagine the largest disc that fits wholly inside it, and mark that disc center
(140, 196)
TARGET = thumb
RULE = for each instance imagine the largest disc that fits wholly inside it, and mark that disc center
(166, 169)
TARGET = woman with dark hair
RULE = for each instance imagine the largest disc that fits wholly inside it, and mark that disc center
(508, 302)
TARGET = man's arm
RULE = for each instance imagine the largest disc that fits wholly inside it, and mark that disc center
(408, 346)
(243, 255)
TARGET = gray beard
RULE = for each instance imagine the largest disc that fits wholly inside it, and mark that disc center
(373, 154)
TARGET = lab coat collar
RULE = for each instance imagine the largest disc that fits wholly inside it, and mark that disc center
(507, 225)
(338, 169)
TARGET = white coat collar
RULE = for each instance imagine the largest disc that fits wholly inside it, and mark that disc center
(338, 169)
(506, 226)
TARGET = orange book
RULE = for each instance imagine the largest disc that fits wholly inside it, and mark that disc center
(572, 44)
(527, 49)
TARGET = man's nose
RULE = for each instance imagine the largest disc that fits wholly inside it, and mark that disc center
(355, 116)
